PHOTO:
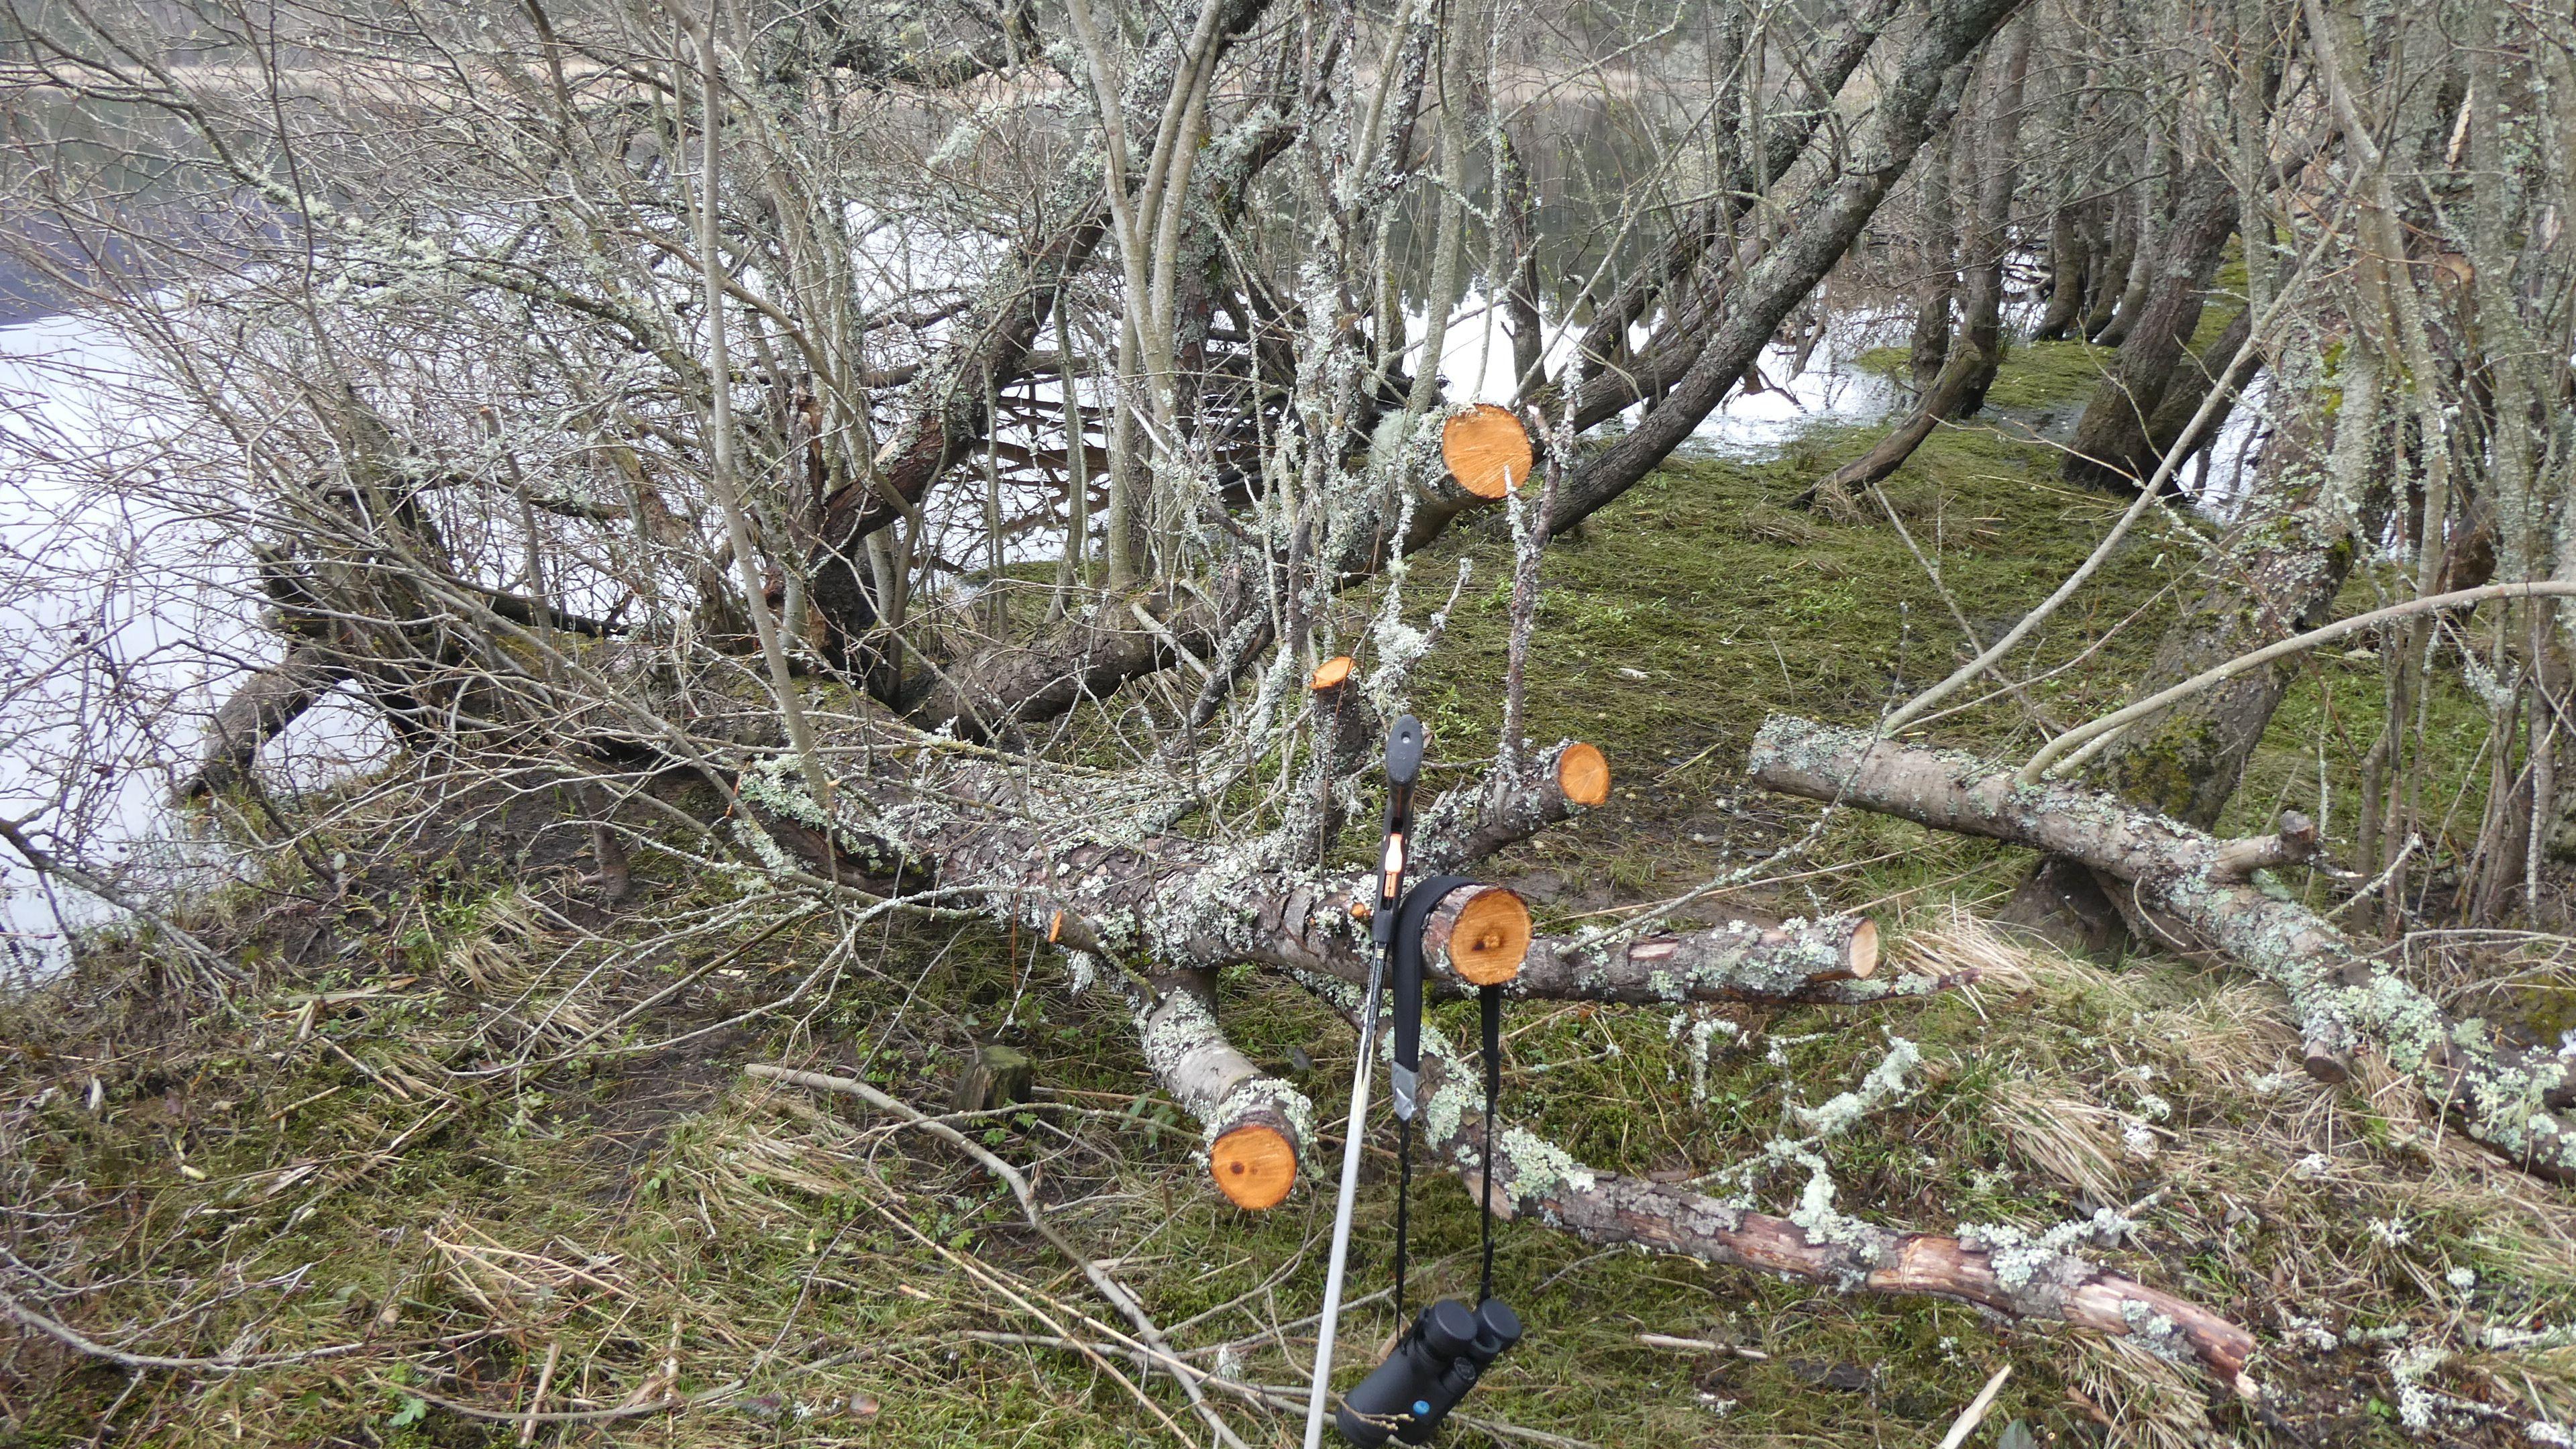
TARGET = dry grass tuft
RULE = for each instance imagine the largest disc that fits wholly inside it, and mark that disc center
(2075, 1141)
(2234, 1036)
(2139, 1399)
(1958, 941)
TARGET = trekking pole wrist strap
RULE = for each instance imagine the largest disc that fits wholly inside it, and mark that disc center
(1406, 983)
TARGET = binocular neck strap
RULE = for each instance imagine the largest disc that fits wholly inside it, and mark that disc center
(1407, 988)
(1489, 1004)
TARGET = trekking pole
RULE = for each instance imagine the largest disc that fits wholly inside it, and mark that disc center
(1403, 765)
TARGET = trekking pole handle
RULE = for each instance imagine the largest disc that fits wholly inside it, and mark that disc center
(1403, 766)
(1404, 746)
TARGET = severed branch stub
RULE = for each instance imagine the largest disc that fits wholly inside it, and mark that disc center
(2294, 843)
(1257, 1127)
(1510, 806)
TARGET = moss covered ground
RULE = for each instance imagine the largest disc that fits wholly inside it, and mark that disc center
(341, 1163)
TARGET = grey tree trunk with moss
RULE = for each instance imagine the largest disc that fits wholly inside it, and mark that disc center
(2507, 1098)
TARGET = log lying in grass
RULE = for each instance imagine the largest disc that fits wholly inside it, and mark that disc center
(2500, 1096)
(1258, 1128)
(1831, 960)
(1992, 1268)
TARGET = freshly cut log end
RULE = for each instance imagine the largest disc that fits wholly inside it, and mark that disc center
(1331, 673)
(1482, 932)
(1583, 774)
(1864, 950)
(1486, 450)
(1254, 1166)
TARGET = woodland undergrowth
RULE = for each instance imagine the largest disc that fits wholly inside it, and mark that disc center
(348, 1160)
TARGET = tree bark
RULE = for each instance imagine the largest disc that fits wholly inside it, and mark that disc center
(2068, 262)
(2112, 446)
(2277, 575)
(2183, 396)
(2501, 1096)
(1938, 249)
(1534, 1178)
(1258, 1131)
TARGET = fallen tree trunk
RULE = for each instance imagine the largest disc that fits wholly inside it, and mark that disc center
(1993, 1268)
(2501, 1096)
(1171, 910)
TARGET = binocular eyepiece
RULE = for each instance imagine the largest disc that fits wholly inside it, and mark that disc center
(1437, 1361)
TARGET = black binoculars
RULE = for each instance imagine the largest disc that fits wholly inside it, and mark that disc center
(1434, 1365)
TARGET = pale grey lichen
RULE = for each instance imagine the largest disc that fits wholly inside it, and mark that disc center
(1256, 1093)
(1817, 1217)
(2037, 1270)
(1884, 1084)
(1539, 1168)
(2409, 1365)
(775, 785)
(2157, 1333)
(2504, 1339)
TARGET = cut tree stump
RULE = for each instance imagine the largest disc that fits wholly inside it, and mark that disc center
(1486, 450)
(997, 1076)
(1480, 932)
(1254, 1165)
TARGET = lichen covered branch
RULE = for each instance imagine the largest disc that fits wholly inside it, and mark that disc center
(2500, 1096)
(1257, 1128)
(1995, 1269)
(1509, 806)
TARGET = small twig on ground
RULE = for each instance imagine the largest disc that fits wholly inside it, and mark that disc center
(1700, 1345)
(1975, 1414)
(537, 1400)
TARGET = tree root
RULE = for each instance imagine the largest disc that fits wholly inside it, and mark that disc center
(2498, 1095)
